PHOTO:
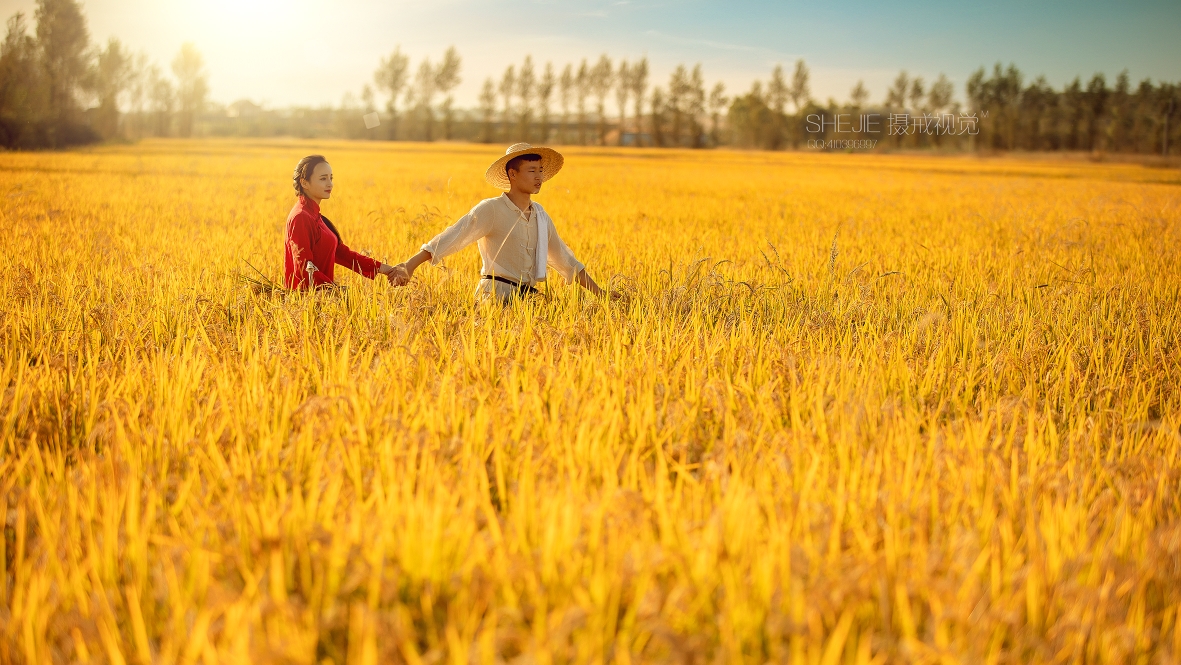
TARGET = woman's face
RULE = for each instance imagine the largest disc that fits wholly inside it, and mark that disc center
(319, 185)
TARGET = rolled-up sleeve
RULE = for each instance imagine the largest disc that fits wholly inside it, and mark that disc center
(559, 256)
(470, 228)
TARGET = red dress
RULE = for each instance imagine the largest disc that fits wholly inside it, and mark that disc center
(310, 239)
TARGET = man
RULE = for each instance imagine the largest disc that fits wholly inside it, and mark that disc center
(517, 239)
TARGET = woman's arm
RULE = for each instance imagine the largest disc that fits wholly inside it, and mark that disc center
(358, 263)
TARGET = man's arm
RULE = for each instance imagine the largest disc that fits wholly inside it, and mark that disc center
(559, 256)
(404, 271)
(468, 229)
(585, 281)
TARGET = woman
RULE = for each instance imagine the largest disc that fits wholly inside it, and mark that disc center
(313, 246)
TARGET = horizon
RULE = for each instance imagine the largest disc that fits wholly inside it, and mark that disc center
(297, 62)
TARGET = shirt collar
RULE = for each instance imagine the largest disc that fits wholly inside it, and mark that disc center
(512, 206)
(308, 204)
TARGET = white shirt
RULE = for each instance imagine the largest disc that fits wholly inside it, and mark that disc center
(509, 240)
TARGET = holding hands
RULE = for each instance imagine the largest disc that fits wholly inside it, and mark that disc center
(400, 274)
(397, 275)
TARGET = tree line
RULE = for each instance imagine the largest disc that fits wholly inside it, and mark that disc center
(1094, 116)
(57, 90)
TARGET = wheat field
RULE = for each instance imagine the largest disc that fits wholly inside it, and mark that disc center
(850, 409)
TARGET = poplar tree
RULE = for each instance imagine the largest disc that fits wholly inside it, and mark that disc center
(545, 93)
(111, 77)
(565, 94)
(601, 79)
(446, 78)
(639, 87)
(391, 77)
(192, 87)
(525, 91)
(62, 42)
(508, 86)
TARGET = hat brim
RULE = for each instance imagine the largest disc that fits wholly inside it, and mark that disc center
(551, 163)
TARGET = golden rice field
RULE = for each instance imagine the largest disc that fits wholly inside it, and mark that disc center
(851, 409)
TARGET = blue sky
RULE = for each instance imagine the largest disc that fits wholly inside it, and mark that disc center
(283, 52)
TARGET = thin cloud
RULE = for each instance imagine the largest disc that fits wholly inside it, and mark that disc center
(723, 46)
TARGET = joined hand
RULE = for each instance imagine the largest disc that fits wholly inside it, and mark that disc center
(396, 275)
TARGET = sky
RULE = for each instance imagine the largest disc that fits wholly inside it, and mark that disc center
(305, 52)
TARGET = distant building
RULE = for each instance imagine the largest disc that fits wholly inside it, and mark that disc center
(243, 108)
(632, 138)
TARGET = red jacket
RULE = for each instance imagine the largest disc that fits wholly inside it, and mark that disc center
(310, 239)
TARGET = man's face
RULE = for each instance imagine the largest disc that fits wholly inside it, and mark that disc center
(526, 178)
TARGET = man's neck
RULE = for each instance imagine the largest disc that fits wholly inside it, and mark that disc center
(520, 199)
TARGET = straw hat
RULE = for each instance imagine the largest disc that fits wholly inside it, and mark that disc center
(551, 163)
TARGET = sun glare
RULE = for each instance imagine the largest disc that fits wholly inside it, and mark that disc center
(256, 19)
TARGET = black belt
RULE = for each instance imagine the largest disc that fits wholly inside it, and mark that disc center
(522, 288)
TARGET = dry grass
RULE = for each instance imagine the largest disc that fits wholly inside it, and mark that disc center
(855, 409)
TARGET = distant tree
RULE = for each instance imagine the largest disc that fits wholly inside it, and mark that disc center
(346, 118)
(23, 104)
(138, 92)
(896, 94)
(657, 121)
(601, 81)
(859, 96)
(508, 87)
(717, 103)
(163, 97)
(938, 101)
(565, 94)
(1005, 96)
(1144, 118)
(112, 74)
(1036, 115)
(526, 83)
(622, 92)
(1074, 111)
(695, 106)
(1122, 113)
(1097, 95)
(675, 103)
(192, 86)
(545, 94)
(997, 103)
(446, 78)
(488, 108)
(391, 78)
(801, 91)
(581, 90)
(917, 92)
(977, 92)
(801, 95)
(751, 119)
(368, 105)
(62, 41)
(778, 94)
(639, 87)
(423, 95)
(940, 94)
(1170, 105)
